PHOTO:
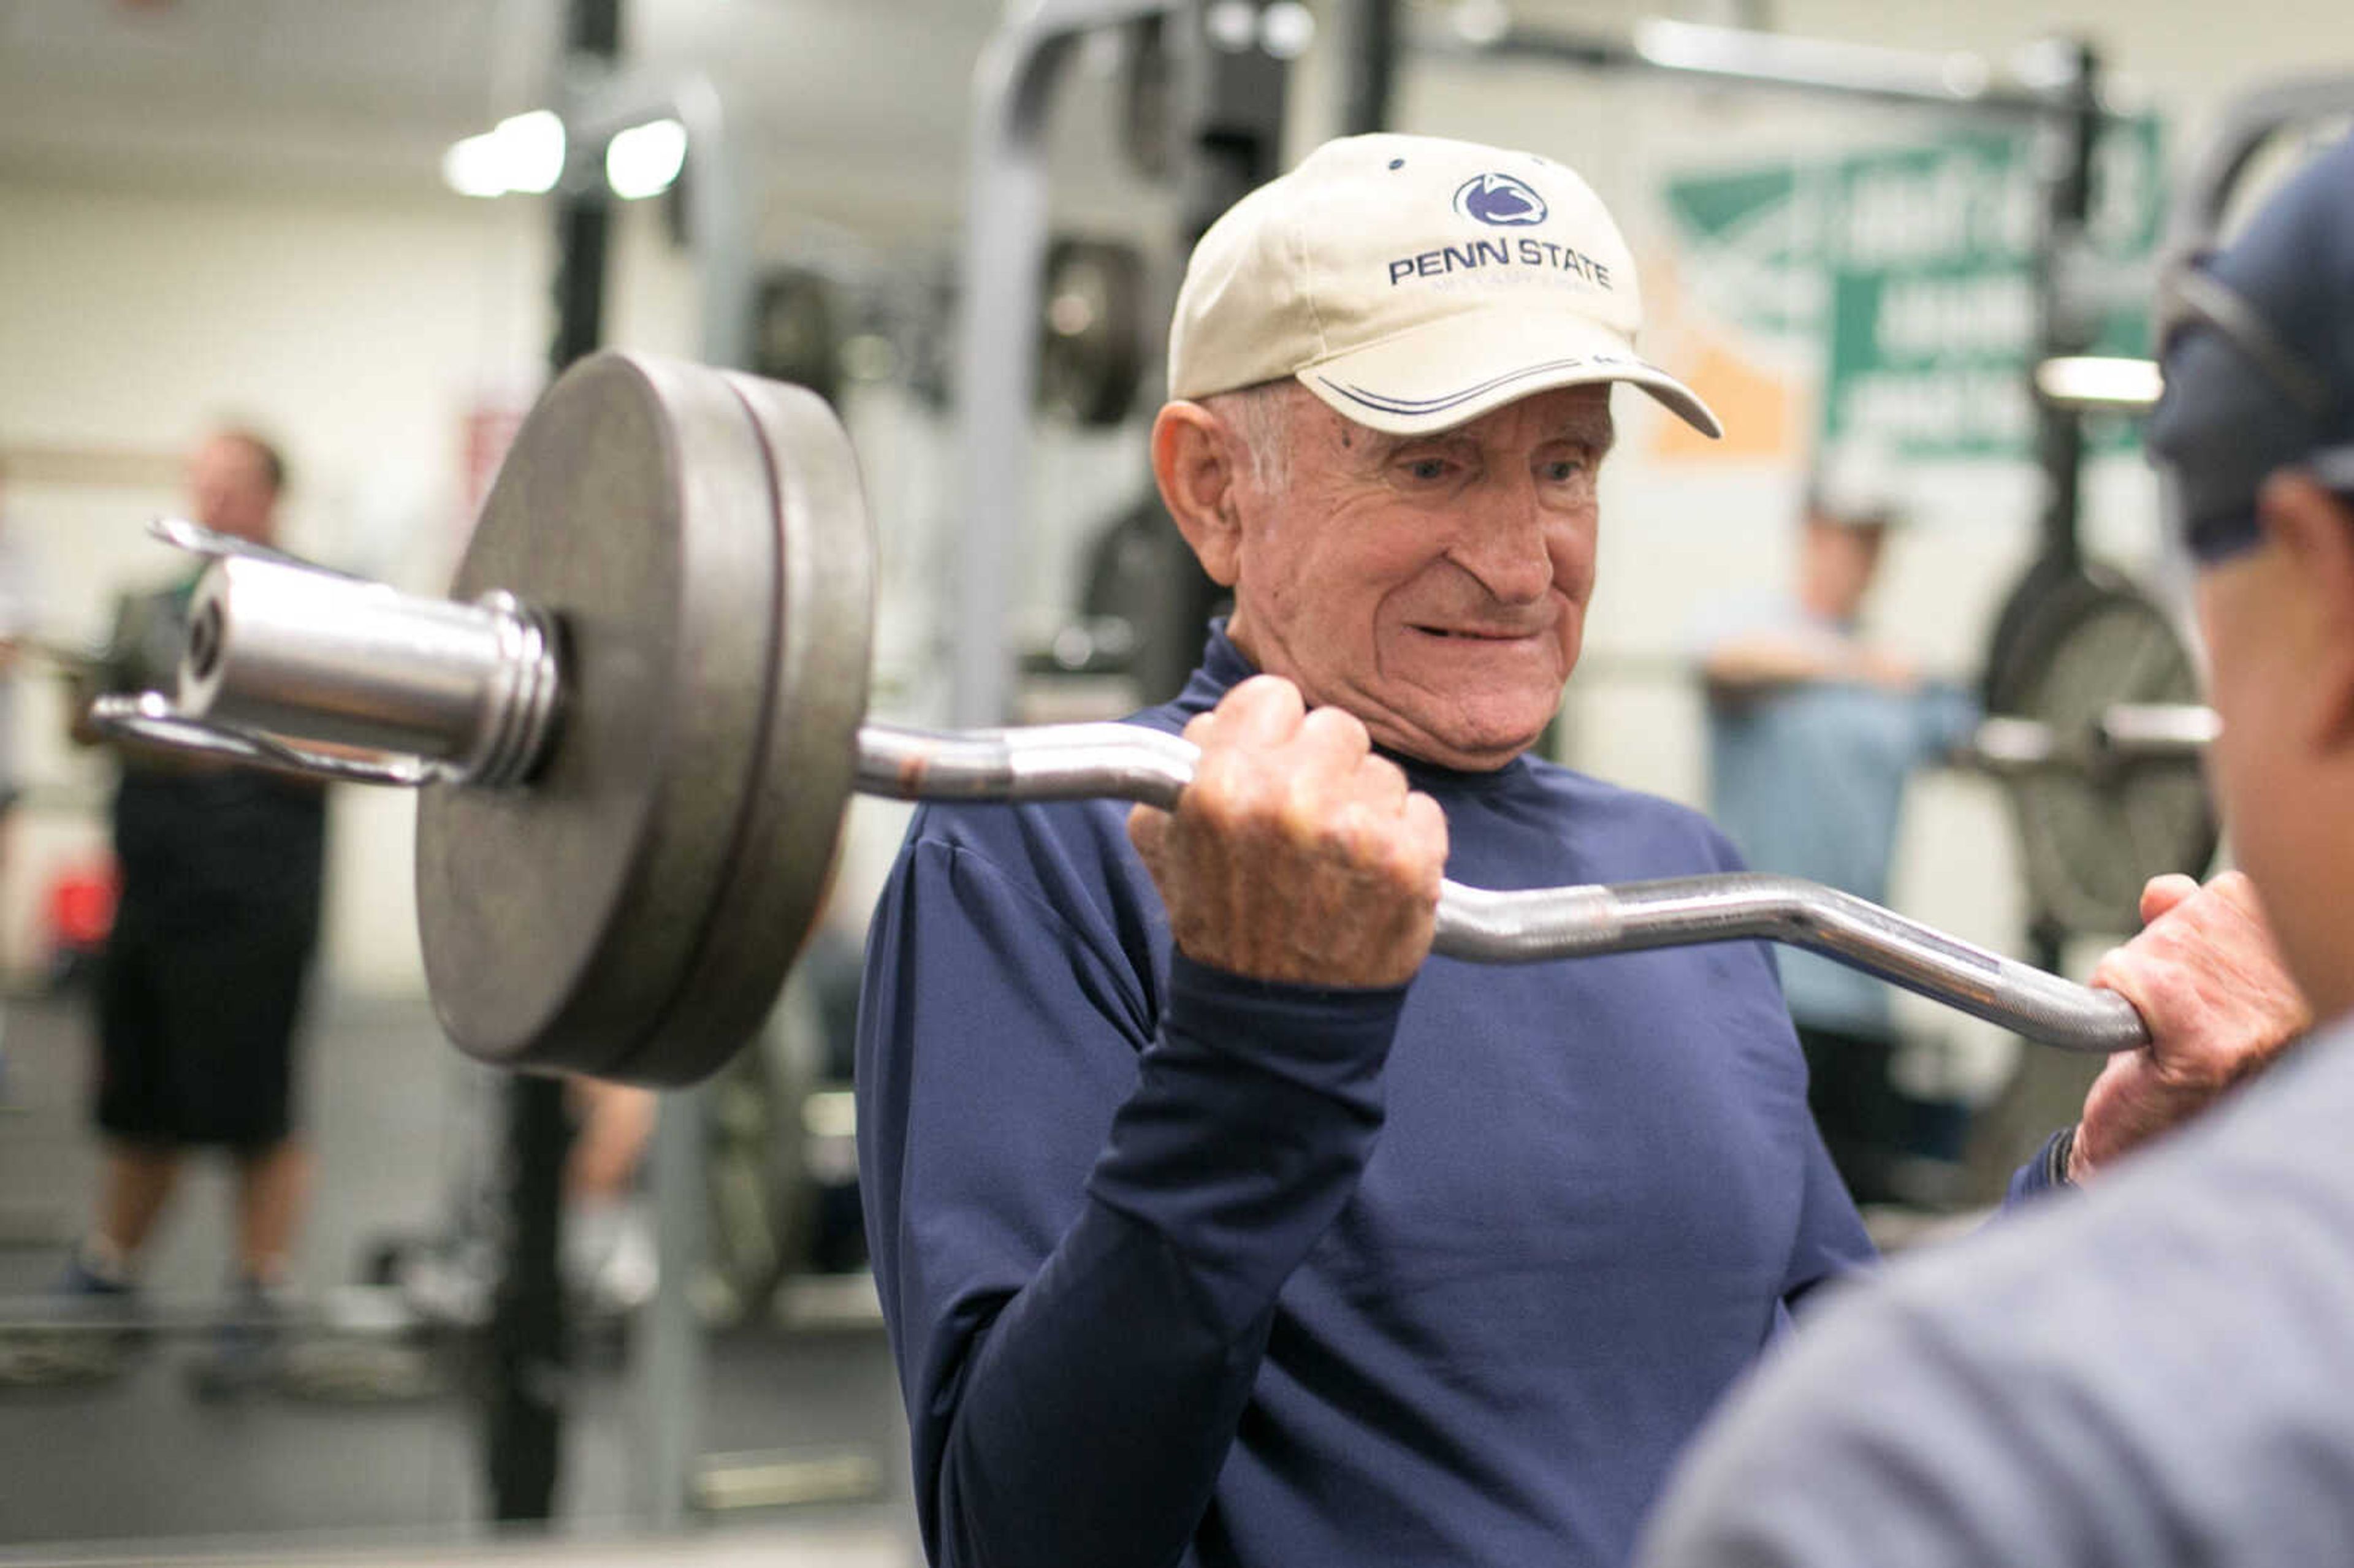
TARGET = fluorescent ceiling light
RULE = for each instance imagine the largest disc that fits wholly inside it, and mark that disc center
(1286, 29)
(1481, 22)
(645, 160)
(473, 168)
(524, 152)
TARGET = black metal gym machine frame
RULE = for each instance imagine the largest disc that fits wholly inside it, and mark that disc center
(523, 1436)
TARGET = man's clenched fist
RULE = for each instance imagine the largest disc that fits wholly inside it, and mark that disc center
(1296, 854)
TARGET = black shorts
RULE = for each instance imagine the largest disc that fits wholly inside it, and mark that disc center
(197, 1032)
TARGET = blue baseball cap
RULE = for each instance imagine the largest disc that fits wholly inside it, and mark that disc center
(2257, 342)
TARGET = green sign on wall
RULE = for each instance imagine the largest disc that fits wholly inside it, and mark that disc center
(1910, 270)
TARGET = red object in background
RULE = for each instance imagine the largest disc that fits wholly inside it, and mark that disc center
(489, 429)
(81, 907)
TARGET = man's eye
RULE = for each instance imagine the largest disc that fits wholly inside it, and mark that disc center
(1561, 470)
(1427, 469)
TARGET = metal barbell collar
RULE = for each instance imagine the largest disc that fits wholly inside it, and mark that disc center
(466, 695)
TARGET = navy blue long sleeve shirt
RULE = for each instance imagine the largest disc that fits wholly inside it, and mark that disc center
(1180, 1267)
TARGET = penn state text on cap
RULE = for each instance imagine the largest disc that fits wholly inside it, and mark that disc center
(1414, 284)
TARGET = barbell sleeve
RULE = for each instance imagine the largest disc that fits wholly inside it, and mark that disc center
(277, 647)
(1063, 762)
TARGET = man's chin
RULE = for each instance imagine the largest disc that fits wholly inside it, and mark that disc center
(1469, 744)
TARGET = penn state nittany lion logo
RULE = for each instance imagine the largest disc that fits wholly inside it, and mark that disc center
(1500, 201)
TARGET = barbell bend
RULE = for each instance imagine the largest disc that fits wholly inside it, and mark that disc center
(1492, 926)
(1127, 762)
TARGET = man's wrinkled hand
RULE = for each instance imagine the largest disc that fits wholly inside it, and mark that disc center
(1295, 853)
(2207, 978)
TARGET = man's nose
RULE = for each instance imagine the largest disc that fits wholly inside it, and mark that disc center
(1502, 543)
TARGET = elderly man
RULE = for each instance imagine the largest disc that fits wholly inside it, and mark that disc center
(1213, 1225)
(2161, 1371)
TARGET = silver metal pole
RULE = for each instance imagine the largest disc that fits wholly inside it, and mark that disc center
(671, 1365)
(997, 343)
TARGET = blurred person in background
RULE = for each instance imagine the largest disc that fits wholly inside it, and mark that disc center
(203, 982)
(608, 1250)
(1813, 730)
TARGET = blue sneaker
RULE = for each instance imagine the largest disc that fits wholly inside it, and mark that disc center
(89, 1292)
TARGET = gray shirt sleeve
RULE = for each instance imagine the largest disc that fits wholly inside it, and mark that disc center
(2157, 1370)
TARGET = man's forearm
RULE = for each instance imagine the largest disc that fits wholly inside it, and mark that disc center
(1756, 663)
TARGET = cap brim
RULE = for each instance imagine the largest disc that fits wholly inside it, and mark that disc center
(1448, 371)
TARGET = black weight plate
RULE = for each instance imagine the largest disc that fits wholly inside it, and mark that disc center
(2089, 838)
(1092, 337)
(585, 921)
(796, 330)
(2049, 575)
(1139, 569)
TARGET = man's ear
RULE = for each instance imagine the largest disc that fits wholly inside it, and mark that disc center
(2314, 529)
(1194, 460)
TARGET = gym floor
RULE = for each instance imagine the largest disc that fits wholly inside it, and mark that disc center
(135, 1467)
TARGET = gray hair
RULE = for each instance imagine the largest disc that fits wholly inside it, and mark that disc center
(1260, 416)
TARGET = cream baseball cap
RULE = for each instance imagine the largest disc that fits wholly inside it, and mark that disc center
(1414, 284)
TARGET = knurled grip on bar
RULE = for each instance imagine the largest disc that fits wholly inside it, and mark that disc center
(1129, 762)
